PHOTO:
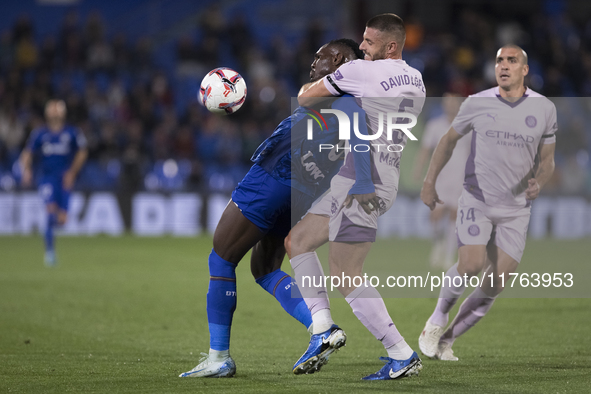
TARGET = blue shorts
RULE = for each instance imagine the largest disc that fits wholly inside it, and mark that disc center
(52, 191)
(267, 203)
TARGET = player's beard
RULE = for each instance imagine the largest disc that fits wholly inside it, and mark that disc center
(379, 55)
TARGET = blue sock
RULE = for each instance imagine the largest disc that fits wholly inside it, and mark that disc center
(51, 221)
(221, 301)
(281, 286)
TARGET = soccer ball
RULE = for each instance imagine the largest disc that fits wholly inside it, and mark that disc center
(222, 91)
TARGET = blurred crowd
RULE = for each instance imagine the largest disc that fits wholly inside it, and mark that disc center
(146, 130)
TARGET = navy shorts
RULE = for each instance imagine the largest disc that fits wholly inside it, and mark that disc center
(267, 203)
(52, 191)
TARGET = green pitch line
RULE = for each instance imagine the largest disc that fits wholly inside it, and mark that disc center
(127, 315)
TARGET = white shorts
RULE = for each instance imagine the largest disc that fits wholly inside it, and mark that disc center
(478, 223)
(352, 224)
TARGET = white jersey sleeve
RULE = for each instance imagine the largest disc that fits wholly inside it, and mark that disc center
(549, 136)
(505, 142)
(349, 78)
(463, 122)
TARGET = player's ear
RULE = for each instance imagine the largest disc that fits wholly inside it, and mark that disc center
(391, 47)
(525, 69)
(338, 58)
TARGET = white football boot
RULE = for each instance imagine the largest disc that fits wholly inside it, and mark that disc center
(429, 339)
(445, 353)
(220, 367)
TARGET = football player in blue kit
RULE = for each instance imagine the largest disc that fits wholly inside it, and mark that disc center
(288, 175)
(62, 152)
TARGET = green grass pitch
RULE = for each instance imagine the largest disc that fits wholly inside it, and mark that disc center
(127, 315)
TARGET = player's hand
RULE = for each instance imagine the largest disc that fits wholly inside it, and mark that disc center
(27, 178)
(68, 181)
(369, 202)
(533, 189)
(429, 195)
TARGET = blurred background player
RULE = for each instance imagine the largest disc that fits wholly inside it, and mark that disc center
(259, 217)
(364, 189)
(62, 152)
(449, 183)
(511, 159)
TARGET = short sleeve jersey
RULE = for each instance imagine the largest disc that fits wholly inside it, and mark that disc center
(505, 143)
(57, 150)
(382, 86)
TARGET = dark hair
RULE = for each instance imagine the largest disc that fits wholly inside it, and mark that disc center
(347, 43)
(391, 24)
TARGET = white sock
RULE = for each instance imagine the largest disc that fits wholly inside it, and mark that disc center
(400, 351)
(321, 321)
(370, 309)
(218, 355)
(448, 296)
(309, 276)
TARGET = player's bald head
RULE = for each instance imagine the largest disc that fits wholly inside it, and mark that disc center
(523, 58)
(391, 27)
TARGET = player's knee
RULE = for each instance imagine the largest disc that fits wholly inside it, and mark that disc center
(298, 238)
(287, 245)
(472, 260)
(470, 267)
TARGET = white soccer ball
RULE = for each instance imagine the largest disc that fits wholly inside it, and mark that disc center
(222, 91)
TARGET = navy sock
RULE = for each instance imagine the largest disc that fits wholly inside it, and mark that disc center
(51, 221)
(221, 301)
(282, 286)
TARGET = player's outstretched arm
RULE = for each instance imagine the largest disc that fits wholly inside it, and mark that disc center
(544, 172)
(313, 93)
(72, 172)
(441, 156)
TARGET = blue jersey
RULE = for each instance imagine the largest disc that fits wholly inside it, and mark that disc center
(288, 156)
(56, 149)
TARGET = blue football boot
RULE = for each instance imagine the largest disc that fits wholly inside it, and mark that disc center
(395, 369)
(321, 347)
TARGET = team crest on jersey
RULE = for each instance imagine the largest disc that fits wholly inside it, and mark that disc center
(65, 138)
(531, 121)
(474, 230)
(334, 206)
(337, 75)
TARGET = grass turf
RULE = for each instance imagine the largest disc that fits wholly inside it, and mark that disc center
(128, 315)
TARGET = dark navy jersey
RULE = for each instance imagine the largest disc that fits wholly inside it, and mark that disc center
(298, 162)
(56, 149)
